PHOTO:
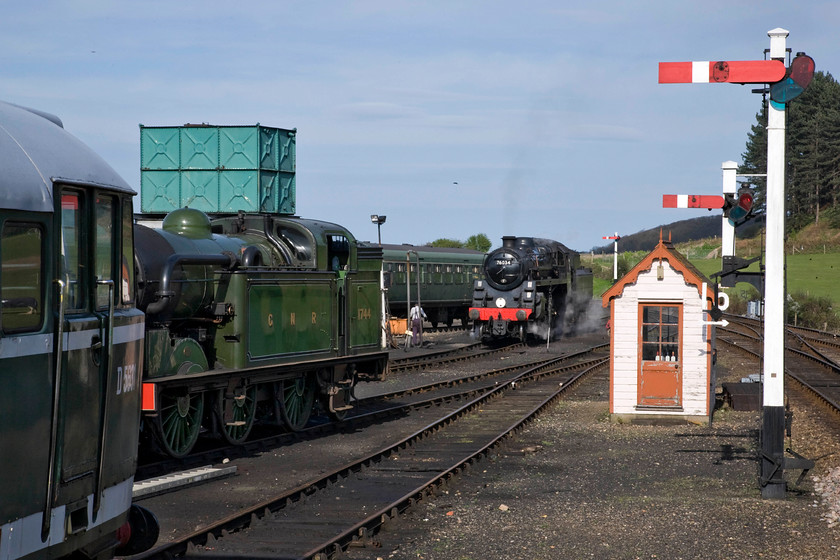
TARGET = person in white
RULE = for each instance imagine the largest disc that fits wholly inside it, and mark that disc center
(417, 315)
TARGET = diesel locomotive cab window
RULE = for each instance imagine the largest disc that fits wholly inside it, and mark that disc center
(73, 249)
(127, 269)
(21, 277)
(104, 263)
(660, 332)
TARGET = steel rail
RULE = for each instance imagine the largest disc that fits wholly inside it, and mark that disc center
(242, 519)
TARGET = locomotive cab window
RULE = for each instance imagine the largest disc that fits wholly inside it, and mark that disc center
(127, 268)
(21, 277)
(338, 252)
(105, 241)
(73, 250)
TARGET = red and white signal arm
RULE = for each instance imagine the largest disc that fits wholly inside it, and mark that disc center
(733, 71)
(692, 201)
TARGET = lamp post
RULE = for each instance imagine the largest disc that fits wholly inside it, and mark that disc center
(378, 220)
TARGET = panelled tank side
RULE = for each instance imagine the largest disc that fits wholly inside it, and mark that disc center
(530, 287)
(253, 312)
(71, 342)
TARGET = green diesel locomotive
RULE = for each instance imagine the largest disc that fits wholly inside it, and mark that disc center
(71, 348)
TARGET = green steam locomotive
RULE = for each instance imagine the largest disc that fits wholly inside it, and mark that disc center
(252, 323)
(253, 314)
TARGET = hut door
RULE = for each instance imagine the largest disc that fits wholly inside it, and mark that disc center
(660, 377)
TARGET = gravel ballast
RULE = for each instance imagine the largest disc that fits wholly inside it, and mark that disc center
(574, 484)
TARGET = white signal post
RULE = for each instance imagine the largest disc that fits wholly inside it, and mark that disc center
(773, 412)
(727, 232)
(615, 239)
(773, 417)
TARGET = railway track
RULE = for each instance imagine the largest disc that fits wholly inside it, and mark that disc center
(346, 505)
(469, 352)
(811, 357)
(366, 411)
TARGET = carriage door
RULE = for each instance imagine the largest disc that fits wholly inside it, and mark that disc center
(660, 371)
(88, 245)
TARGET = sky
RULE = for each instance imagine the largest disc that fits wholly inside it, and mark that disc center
(452, 118)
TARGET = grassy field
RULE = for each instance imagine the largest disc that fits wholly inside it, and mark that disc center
(815, 274)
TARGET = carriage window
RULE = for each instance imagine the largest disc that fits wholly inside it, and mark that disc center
(660, 332)
(71, 232)
(21, 277)
(105, 238)
(127, 272)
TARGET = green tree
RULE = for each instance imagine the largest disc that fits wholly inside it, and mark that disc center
(812, 152)
(446, 243)
(479, 242)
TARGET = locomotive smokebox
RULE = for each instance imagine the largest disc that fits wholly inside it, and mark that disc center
(175, 265)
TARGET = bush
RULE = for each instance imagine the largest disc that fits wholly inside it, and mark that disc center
(804, 310)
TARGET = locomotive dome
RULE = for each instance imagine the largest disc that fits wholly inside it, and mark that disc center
(189, 222)
(36, 151)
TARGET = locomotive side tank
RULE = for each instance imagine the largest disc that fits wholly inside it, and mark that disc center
(530, 286)
(71, 341)
(250, 317)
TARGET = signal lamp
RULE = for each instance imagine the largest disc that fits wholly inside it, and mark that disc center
(738, 209)
(796, 79)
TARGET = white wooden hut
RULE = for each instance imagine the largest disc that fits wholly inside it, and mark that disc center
(661, 349)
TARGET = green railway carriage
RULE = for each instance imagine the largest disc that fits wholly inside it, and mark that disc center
(71, 347)
(446, 278)
(253, 313)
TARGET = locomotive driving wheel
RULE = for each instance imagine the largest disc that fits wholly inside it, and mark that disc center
(179, 421)
(235, 411)
(293, 400)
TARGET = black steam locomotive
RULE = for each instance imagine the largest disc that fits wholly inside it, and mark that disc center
(531, 287)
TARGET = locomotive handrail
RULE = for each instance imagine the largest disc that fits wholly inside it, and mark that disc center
(107, 349)
(165, 293)
(59, 339)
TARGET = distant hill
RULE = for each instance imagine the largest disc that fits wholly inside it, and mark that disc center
(680, 232)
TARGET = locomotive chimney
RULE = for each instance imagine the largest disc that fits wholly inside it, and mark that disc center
(508, 241)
